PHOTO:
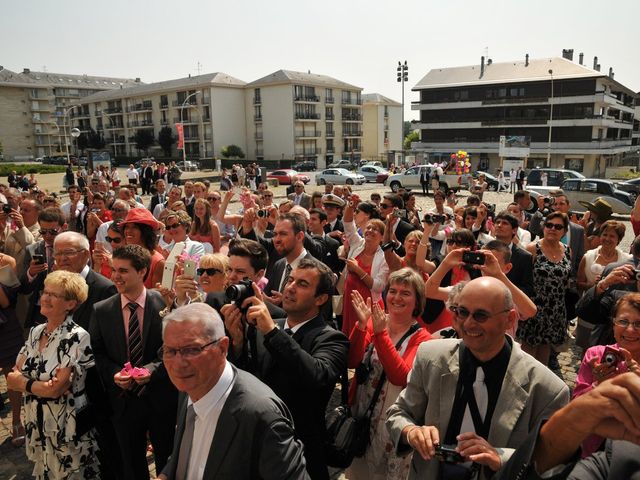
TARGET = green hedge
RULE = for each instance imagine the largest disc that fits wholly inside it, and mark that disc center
(22, 169)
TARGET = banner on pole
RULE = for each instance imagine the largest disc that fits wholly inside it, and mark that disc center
(180, 130)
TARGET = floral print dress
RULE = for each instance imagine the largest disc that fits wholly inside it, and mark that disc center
(50, 424)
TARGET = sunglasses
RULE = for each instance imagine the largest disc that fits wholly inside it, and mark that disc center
(173, 226)
(113, 239)
(213, 199)
(479, 316)
(385, 205)
(209, 271)
(50, 231)
(555, 226)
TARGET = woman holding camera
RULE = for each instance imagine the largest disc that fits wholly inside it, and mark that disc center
(384, 344)
(603, 362)
(551, 272)
(445, 219)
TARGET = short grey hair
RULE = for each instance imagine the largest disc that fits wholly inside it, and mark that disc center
(77, 238)
(198, 312)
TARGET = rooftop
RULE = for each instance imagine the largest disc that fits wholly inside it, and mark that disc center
(301, 78)
(49, 79)
(379, 99)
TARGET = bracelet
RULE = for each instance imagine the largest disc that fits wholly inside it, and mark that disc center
(29, 384)
(424, 244)
(363, 275)
(408, 432)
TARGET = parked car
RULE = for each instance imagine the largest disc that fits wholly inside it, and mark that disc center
(555, 176)
(411, 179)
(285, 175)
(188, 166)
(341, 164)
(373, 173)
(632, 187)
(588, 189)
(339, 176)
(306, 166)
(492, 181)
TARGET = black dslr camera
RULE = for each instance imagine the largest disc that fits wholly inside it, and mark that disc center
(448, 454)
(239, 292)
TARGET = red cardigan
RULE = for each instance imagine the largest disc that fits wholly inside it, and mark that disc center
(396, 366)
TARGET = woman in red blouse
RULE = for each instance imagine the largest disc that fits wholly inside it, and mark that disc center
(373, 346)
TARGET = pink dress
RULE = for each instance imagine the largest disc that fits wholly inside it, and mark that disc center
(349, 317)
(155, 258)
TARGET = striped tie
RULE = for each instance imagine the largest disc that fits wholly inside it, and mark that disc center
(285, 277)
(135, 344)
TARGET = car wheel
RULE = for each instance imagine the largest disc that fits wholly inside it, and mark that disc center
(395, 186)
(321, 181)
(633, 196)
(349, 181)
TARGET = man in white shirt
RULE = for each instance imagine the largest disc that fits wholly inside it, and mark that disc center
(73, 208)
(132, 175)
(230, 425)
(512, 179)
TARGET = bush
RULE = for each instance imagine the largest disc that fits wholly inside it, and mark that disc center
(25, 169)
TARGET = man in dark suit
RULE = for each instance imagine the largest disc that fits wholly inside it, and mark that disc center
(146, 177)
(553, 450)
(317, 221)
(401, 227)
(127, 328)
(333, 205)
(159, 197)
(521, 274)
(299, 357)
(230, 425)
(38, 260)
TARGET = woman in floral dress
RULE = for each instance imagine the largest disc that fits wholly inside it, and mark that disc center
(51, 371)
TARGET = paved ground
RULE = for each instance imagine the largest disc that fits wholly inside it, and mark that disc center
(15, 466)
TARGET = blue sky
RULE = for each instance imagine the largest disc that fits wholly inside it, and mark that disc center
(356, 41)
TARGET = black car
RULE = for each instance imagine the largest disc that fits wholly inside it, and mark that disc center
(555, 176)
(307, 166)
(632, 187)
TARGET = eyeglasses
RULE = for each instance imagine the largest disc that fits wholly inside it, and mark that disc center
(53, 295)
(479, 316)
(624, 323)
(385, 205)
(185, 352)
(67, 253)
(298, 186)
(49, 231)
(555, 226)
(172, 227)
(267, 196)
(213, 199)
(113, 239)
(209, 271)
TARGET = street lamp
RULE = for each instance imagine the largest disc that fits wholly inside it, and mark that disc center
(75, 133)
(403, 76)
(184, 143)
(550, 122)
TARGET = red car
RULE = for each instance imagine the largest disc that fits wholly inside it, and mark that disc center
(284, 176)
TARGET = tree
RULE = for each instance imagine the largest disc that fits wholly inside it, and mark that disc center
(96, 140)
(412, 137)
(166, 140)
(144, 138)
(407, 127)
(232, 151)
(82, 142)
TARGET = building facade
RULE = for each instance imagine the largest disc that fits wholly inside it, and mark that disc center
(576, 116)
(34, 108)
(382, 126)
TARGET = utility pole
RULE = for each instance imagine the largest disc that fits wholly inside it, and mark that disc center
(403, 76)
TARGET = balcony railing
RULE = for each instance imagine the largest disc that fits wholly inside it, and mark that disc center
(143, 123)
(113, 126)
(111, 111)
(259, 152)
(329, 100)
(330, 116)
(257, 118)
(190, 103)
(307, 134)
(258, 135)
(351, 117)
(306, 98)
(164, 106)
(257, 100)
(331, 150)
(351, 101)
(330, 134)
(307, 116)
(140, 107)
(357, 133)
(316, 151)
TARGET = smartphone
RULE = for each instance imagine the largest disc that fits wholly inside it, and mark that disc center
(189, 268)
(38, 258)
(167, 275)
(400, 213)
(612, 356)
(473, 258)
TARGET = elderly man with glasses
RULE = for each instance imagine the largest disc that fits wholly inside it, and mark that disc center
(478, 396)
(299, 196)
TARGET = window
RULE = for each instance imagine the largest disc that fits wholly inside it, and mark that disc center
(164, 101)
(256, 95)
(589, 187)
(570, 186)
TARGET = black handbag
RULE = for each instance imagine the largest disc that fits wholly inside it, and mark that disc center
(85, 419)
(347, 435)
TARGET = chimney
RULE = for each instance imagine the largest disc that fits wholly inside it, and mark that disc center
(481, 66)
(595, 63)
(526, 60)
(598, 67)
(567, 53)
(137, 79)
(611, 74)
(26, 71)
(489, 61)
(581, 58)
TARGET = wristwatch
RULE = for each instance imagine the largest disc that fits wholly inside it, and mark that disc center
(387, 246)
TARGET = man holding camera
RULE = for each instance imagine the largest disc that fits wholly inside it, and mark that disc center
(300, 357)
(477, 397)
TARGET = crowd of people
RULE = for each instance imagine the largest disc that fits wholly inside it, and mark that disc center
(161, 321)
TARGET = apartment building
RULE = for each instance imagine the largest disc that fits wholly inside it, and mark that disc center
(33, 107)
(588, 114)
(382, 126)
(304, 116)
(209, 107)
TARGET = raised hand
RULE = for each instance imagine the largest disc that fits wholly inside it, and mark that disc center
(362, 309)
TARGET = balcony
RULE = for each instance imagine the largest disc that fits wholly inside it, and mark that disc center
(330, 116)
(98, 113)
(331, 150)
(142, 123)
(114, 126)
(351, 117)
(190, 103)
(119, 139)
(307, 134)
(41, 95)
(76, 114)
(259, 152)
(113, 111)
(356, 133)
(257, 118)
(306, 98)
(42, 107)
(316, 151)
(164, 106)
(330, 134)
(351, 101)
(329, 100)
(257, 101)
(140, 107)
(186, 121)
(258, 135)
(307, 116)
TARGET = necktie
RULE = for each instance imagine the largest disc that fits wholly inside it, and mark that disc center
(285, 277)
(288, 331)
(135, 339)
(50, 257)
(185, 444)
(480, 392)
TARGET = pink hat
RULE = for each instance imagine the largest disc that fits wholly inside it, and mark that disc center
(143, 216)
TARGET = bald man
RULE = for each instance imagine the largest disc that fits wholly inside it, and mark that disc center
(480, 394)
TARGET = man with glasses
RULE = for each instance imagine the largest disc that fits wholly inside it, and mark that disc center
(127, 328)
(299, 196)
(230, 425)
(175, 193)
(480, 395)
(38, 260)
(400, 226)
(118, 213)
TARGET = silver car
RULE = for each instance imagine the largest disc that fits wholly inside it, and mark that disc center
(371, 172)
(339, 176)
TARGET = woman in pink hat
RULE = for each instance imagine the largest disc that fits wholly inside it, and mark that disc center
(140, 229)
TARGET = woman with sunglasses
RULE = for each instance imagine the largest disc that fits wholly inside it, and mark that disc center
(551, 272)
(101, 257)
(373, 342)
(602, 362)
(204, 228)
(211, 277)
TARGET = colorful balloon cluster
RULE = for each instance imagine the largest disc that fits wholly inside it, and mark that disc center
(461, 162)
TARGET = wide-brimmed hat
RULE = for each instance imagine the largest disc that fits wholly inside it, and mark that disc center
(331, 199)
(600, 207)
(143, 216)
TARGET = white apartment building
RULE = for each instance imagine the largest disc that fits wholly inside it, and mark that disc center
(209, 107)
(303, 116)
(588, 114)
(33, 106)
(382, 126)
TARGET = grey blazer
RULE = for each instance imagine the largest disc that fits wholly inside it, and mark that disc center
(530, 392)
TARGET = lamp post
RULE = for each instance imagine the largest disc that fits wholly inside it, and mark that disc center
(184, 143)
(403, 76)
(75, 133)
(550, 122)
